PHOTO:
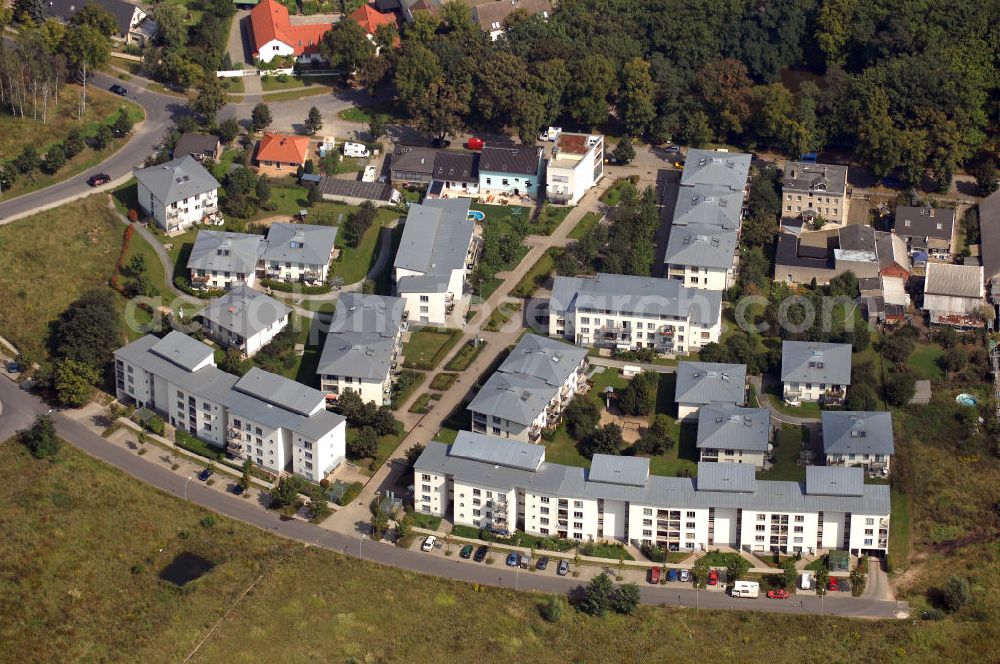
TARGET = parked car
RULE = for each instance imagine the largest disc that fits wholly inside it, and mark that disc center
(97, 179)
(524, 560)
(685, 576)
(671, 574)
(777, 594)
(563, 568)
(13, 367)
(466, 551)
(542, 563)
(118, 89)
(673, 149)
(713, 577)
(238, 489)
(654, 575)
(513, 559)
(205, 474)
(441, 143)
(481, 554)
(475, 143)
(428, 543)
(833, 584)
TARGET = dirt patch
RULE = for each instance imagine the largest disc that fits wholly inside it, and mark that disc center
(630, 425)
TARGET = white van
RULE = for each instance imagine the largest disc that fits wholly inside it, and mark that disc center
(806, 581)
(749, 589)
(356, 150)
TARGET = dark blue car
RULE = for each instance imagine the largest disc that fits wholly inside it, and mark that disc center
(671, 575)
(513, 560)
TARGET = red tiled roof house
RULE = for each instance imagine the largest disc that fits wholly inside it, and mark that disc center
(272, 33)
(281, 154)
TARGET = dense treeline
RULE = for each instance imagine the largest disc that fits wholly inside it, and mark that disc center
(904, 85)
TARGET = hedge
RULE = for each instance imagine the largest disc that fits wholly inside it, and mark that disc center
(186, 441)
(286, 287)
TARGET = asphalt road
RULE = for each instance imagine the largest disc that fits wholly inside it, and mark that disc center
(161, 110)
(19, 408)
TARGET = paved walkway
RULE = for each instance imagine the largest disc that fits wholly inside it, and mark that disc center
(764, 401)
(599, 361)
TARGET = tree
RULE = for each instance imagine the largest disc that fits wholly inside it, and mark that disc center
(899, 387)
(286, 491)
(234, 362)
(211, 97)
(696, 130)
(229, 129)
(74, 382)
(636, 97)
(625, 599)
(346, 46)
(412, 455)
(896, 348)
(639, 396)
(8, 175)
(384, 422)
(314, 121)
(376, 125)
(96, 17)
(27, 160)
(552, 609)
(313, 196)
(954, 359)
(597, 596)
(624, 152)
(737, 568)
(329, 162)
(655, 439)
(103, 137)
(89, 331)
(956, 593)
(74, 143)
(789, 573)
(442, 108)
(262, 189)
(582, 416)
(260, 117)
(725, 89)
(365, 444)
(240, 182)
(123, 123)
(29, 10)
(245, 478)
(171, 28)
(591, 82)
(55, 159)
(861, 396)
(862, 336)
(379, 524)
(40, 438)
(700, 570)
(986, 178)
(604, 440)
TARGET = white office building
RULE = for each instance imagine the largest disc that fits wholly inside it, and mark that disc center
(576, 165)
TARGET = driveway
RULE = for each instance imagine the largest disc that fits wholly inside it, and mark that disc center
(238, 45)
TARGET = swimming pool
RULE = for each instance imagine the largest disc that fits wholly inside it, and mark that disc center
(966, 399)
(477, 215)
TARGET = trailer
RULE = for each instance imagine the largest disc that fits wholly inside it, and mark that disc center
(750, 589)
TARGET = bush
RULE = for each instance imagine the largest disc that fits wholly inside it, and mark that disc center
(353, 491)
(956, 593)
(552, 609)
(653, 553)
(186, 441)
(40, 438)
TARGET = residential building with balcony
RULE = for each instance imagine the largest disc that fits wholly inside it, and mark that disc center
(245, 319)
(362, 347)
(814, 371)
(504, 485)
(628, 313)
(436, 253)
(177, 194)
(703, 383)
(576, 165)
(530, 389)
(733, 434)
(811, 190)
(701, 256)
(299, 252)
(858, 438)
(220, 259)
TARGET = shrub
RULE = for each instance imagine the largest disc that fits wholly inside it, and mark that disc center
(653, 553)
(350, 493)
(40, 438)
(207, 521)
(956, 593)
(552, 609)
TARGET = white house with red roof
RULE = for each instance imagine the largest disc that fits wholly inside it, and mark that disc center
(273, 34)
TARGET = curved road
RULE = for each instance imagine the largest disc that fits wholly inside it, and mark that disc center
(26, 407)
(161, 111)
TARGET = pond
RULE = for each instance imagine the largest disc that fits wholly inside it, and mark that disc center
(186, 567)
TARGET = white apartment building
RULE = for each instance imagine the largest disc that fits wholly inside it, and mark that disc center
(814, 190)
(283, 426)
(177, 194)
(530, 390)
(299, 252)
(732, 434)
(814, 371)
(701, 256)
(362, 346)
(858, 438)
(220, 259)
(504, 485)
(435, 254)
(576, 165)
(703, 383)
(626, 313)
(245, 319)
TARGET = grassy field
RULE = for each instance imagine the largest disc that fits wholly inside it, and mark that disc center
(428, 346)
(614, 192)
(791, 438)
(465, 356)
(501, 316)
(538, 274)
(583, 226)
(923, 361)
(16, 134)
(550, 218)
(275, 84)
(291, 95)
(49, 259)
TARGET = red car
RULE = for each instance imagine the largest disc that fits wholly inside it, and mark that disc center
(833, 584)
(475, 143)
(777, 594)
(713, 578)
(654, 575)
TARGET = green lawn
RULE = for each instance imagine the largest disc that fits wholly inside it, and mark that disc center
(583, 226)
(899, 531)
(923, 361)
(406, 383)
(291, 95)
(233, 85)
(614, 192)
(354, 114)
(276, 84)
(465, 356)
(790, 441)
(539, 273)
(428, 346)
(501, 316)
(549, 218)
(422, 404)
(807, 409)
(443, 381)
(611, 551)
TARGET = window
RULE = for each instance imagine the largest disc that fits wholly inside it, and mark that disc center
(689, 524)
(425, 298)
(543, 499)
(799, 518)
(476, 501)
(425, 508)
(544, 521)
(647, 533)
(647, 511)
(869, 522)
(425, 477)
(544, 531)
(797, 529)
(476, 512)
(577, 503)
(761, 517)
(425, 487)
(690, 515)
(647, 522)
(760, 528)
(577, 525)
(758, 538)
(543, 510)
(476, 492)
(577, 515)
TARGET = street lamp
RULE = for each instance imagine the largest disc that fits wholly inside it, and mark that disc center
(190, 477)
(360, 541)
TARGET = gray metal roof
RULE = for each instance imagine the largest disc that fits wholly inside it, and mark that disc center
(319, 424)
(924, 222)
(513, 397)
(954, 280)
(659, 491)
(708, 382)
(550, 360)
(708, 205)
(356, 354)
(378, 315)
(499, 451)
(815, 362)
(431, 283)
(195, 143)
(835, 481)
(989, 225)
(245, 311)
(209, 382)
(300, 243)
(314, 426)
(182, 350)
(639, 296)
(728, 427)
(221, 251)
(630, 471)
(122, 11)
(719, 169)
(807, 177)
(728, 477)
(281, 391)
(857, 432)
(436, 237)
(516, 160)
(373, 191)
(413, 159)
(177, 180)
(701, 246)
